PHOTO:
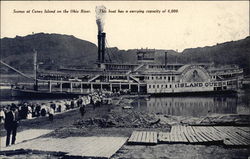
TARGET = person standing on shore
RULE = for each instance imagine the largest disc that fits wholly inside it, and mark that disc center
(29, 114)
(2, 115)
(37, 110)
(51, 114)
(43, 109)
(11, 124)
(79, 101)
(83, 106)
(82, 110)
(72, 103)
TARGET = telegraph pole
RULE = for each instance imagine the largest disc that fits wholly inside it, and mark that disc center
(166, 59)
(35, 70)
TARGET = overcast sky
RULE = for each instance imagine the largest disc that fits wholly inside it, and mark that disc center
(196, 24)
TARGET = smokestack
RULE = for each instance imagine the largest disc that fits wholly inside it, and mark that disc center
(103, 46)
(100, 16)
(99, 38)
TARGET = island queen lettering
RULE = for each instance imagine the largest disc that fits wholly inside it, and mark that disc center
(201, 84)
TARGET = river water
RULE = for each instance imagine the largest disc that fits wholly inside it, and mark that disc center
(6, 98)
(194, 106)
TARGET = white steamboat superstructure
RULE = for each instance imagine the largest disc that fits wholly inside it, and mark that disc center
(193, 78)
(144, 77)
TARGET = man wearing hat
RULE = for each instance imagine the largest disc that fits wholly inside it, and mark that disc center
(10, 124)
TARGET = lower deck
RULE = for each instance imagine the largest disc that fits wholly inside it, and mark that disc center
(70, 88)
(187, 87)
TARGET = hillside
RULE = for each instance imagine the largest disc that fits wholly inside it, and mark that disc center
(55, 50)
(234, 52)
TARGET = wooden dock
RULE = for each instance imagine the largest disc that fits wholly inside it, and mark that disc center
(227, 135)
(190, 134)
(235, 136)
(74, 147)
(25, 136)
(143, 137)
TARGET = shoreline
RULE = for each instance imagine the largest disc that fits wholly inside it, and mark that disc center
(71, 124)
(103, 113)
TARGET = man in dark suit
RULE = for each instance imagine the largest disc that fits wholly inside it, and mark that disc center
(10, 124)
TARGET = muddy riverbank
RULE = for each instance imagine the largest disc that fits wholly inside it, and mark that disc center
(120, 121)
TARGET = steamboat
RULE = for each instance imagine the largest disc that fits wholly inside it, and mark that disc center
(144, 77)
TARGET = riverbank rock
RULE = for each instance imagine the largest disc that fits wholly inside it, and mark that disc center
(124, 118)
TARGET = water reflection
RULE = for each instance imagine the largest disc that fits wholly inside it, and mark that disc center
(192, 106)
(178, 106)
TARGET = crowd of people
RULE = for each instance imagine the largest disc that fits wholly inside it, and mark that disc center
(11, 114)
(30, 110)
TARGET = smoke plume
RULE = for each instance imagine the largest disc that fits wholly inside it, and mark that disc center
(100, 16)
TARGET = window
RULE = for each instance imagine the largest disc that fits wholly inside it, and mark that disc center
(157, 86)
(173, 78)
(168, 78)
(149, 86)
(166, 86)
(153, 86)
(165, 77)
(170, 86)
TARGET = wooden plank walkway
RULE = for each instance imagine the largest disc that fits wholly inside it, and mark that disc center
(234, 136)
(189, 134)
(227, 135)
(89, 147)
(25, 135)
(175, 136)
(143, 137)
(246, 129)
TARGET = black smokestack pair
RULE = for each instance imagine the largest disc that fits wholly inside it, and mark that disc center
(101, 46)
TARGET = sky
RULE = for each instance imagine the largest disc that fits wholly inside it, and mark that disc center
(196, 24)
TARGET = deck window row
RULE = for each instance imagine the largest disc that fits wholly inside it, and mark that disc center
(159, 86)
(168, 78)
